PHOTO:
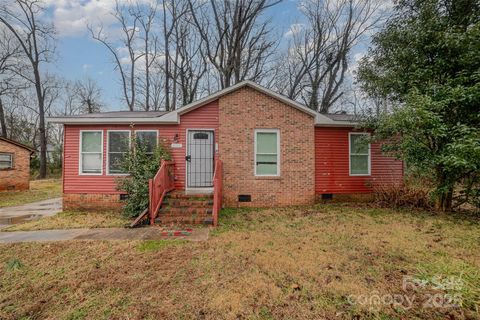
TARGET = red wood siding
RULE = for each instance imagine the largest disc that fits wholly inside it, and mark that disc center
(205, 117)
(332, 165)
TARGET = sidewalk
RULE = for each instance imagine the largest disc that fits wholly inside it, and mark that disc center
(147, 233)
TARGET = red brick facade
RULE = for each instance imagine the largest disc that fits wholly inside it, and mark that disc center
(91, 201)
(17, 178)
(313, 160)
(240, 113)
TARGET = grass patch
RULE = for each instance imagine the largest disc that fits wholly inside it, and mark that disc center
(295, 263)
(72, 220)
(39, 190)
(13, 264)
(156, 245)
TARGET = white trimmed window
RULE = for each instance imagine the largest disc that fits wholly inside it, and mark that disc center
(118, 145)
(267, 152)
(147, 139)
(6, 160)
(91, 152)
(359, 154)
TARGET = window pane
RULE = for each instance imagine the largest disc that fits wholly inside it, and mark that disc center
(5, 157)
(147, 140)
(358, 144)
(266, 159)
(266, 142)
(266, 169)
(359, 164)
(5, 164)
(115, 162)
(118, 141)
(92, 163)
(92, 141)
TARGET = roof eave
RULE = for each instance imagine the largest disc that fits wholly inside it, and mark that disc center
(73, 120)
(18, 144)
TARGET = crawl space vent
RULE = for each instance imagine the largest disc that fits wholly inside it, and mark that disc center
(244, 198)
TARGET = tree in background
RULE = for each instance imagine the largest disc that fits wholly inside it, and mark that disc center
(130, 35)
(89, 95)
(236, 39)
(425, 63)
(36, 37)
(9, 82)
(315, 66)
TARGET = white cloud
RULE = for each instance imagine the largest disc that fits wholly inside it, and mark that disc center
(71, 17)
(86, 67)
(294, 29)
(356, 60)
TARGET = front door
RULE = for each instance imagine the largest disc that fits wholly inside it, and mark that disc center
(199, 159)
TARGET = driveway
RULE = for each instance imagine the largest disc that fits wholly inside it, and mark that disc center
(30, 211)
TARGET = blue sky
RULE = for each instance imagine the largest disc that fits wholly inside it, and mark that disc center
(79, 56)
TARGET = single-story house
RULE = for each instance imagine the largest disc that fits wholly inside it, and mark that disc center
(274, 151)
(14, 165)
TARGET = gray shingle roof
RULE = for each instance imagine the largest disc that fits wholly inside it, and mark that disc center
(122, 114)
(342, 117)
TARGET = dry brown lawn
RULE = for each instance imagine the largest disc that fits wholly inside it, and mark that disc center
(39, 190)
(72, 220)
(322, 262)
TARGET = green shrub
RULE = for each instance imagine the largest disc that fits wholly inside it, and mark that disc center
(141, 167)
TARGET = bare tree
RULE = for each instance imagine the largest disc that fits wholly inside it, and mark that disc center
(88, 94)
(236, 39)
(173, 12)
(9, 55)
(190, 63)
(128, 21)
(318, 55)
(146, 14)
(23, 18)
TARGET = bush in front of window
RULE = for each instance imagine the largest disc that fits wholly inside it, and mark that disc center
(141, 165)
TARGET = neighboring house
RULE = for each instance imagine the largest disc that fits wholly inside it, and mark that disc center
(14, 165)
(275, 151)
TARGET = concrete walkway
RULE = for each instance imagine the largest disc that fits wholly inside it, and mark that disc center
(147, 233)
(29, 211)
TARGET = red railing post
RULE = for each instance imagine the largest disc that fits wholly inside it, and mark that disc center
(150, 201)
(217, 190)
(158, 187)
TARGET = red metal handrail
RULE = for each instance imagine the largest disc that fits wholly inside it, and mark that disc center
(217, 190)
(158, 187)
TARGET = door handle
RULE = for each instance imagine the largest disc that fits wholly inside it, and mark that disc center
(188, 158)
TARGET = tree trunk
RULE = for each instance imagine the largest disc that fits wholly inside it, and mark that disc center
(41, 124)
(444, 200)
(313, 103)
(3, 123)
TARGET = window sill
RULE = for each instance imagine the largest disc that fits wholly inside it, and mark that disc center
(7, 169)
(268, 178)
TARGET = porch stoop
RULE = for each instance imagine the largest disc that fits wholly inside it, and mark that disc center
(179, 207)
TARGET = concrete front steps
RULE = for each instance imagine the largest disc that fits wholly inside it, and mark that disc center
(181, 208)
